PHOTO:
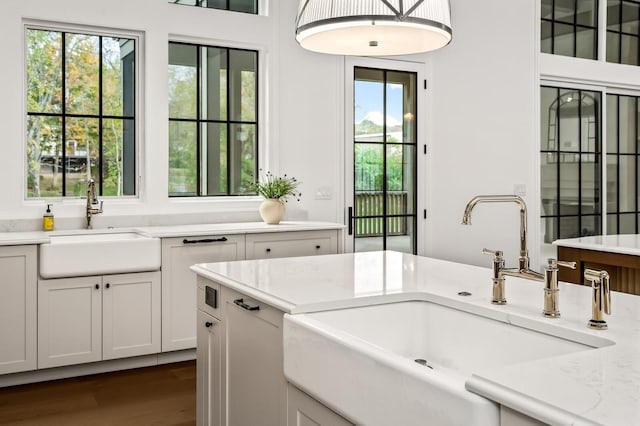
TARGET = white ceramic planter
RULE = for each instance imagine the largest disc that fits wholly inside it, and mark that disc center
(272, 211)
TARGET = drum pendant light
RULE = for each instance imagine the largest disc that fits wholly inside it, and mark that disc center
(373, 27)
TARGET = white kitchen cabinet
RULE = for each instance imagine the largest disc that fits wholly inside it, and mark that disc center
(87, 319)
(303, 410)
(18, 314)
(209, 369)
(253, 360)
(179, 282)
(69, 321)
(253, 383)
(288, 244)
(130, 315)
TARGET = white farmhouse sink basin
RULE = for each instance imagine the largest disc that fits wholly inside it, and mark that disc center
(361, 361)
(98, 254)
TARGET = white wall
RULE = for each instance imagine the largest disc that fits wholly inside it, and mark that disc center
(299, 98)
(482, 116)
(484, 130)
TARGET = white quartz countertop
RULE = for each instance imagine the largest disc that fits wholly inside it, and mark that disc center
(235, 228)
(41, 237)
(22, 238)
(623, 244)
(597, 386)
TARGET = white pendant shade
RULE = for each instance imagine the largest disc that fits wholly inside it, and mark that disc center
(373, 27)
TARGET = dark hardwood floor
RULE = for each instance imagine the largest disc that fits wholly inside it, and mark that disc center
(163, 395)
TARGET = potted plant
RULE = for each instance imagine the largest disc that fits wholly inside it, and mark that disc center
(276, 192)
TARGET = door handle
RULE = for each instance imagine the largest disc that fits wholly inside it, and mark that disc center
(240, 302)
(205, 240)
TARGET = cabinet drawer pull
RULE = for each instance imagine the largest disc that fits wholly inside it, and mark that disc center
(108, 285)
(208, 324)
(318, 247)
(268, 250)
(205, 240)
(240, 302)
(97, 286)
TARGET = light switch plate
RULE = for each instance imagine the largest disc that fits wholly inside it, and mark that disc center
(324, 193)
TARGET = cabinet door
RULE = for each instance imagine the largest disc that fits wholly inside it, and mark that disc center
(69, 321)
(18, 308)
(288, 244)
(130, 315)
(179, 282)
(209, 369)
(302, 410)
(255, 383)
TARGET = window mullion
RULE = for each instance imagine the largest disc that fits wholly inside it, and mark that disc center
(228, 119)
(100, 124)
(198, 122)
(63, 136)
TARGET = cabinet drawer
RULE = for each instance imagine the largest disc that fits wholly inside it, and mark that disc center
(288, 244)
(179, 294)
(209, 297)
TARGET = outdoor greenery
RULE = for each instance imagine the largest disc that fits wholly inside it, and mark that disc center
(280, 188)
(75, 122)
(215, 141)
(369, 159)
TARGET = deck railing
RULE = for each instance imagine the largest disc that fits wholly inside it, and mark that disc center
(371, 203)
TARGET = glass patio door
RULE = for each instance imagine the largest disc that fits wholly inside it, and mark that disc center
(382, 210)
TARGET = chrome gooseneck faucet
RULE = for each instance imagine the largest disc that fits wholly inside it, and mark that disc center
(92, 202)
(523, 259)
(550, 277)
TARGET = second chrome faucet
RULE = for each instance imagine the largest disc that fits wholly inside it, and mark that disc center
(550, 276)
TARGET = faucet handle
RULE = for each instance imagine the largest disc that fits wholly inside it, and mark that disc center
(566, 264)
(495, 253)
(553, 264)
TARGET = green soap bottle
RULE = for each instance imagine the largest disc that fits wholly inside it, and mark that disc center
(47, 219)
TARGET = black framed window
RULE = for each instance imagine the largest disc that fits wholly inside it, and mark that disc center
(623, 157)
(246, 6)
(623, 31)
(81, 117)
(213, 120)
(570, 28)
(570, 174)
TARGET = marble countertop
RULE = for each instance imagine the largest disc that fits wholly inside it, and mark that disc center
(598, 386)
(623, 244)
(41, 237)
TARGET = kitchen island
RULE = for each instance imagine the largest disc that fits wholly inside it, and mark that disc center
(600, 385)
(619, 255)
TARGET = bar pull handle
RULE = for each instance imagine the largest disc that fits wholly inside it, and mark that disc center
(205, 240)
(240, 302)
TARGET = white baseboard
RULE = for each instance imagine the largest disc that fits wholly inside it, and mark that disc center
(95, 368)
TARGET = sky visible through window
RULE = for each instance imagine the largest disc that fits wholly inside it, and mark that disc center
(370, 99)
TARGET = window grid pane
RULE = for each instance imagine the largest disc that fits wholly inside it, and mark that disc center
(80, 114)
(570, 163)
(623, 32)
(569, 28)
(222, 147)
(623, 208)
(246, 6)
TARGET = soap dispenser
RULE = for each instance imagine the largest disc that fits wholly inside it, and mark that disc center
(47, 219)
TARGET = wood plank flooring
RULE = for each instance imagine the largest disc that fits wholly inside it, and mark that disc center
(160, 396)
